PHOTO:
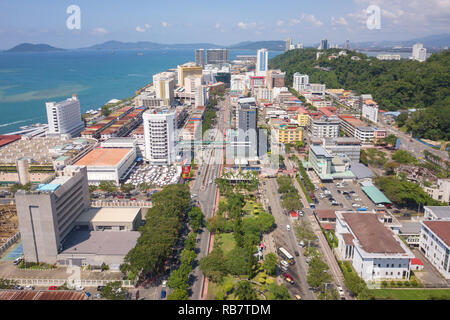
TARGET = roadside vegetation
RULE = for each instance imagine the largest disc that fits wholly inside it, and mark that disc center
(289, 194)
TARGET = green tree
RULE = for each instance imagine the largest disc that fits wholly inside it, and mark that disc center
(213, 265)
(178, 279)
(403, 157)
(114, 291)
(107, 186)
(270, 263)
(245, 291)
(178, 294)
(279, 292)
(7, 284)
(401, 119)
(187, 256)
(127, 188)
(196, 218)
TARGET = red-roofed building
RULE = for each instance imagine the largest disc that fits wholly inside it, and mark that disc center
(416, 264)
(7, 139)
(435, 244)
(294, 215)
(327, 226)
(328, 111)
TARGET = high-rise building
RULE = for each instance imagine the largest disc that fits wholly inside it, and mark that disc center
(159, 135)
(262, 62)
(200, 57)
(347, 45)
(419, 53)
(245, 143)
(217, 56)
(164, 84)
(187, 70)
(288, 44)
(65, 117)
(323, 44)
(201, 96)
(299, 46)
(48, 213)
(300, 82)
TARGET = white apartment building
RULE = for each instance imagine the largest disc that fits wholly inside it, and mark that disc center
(370, 112)
(375, 251)
(300, 82)
(237, 85)
(419, 53)
(262, 62)
(435, 244)
(164, 84)
(264, 94)
(191, 83)
(159, 135)
(440, 191)
(64, 117)
(316, 88)
(324, 127)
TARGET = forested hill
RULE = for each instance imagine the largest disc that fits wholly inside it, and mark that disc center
(393, 84)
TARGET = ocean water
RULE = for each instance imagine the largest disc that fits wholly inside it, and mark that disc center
(28, 80)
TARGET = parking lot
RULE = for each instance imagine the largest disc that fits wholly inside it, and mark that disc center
(158, 176)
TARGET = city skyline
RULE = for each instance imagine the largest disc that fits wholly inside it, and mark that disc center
(219, 23)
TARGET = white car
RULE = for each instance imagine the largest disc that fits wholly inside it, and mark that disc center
(284, 263)
(164, 284)
(288, 227)
(358, 199)
(355, 205)
(79, 288)
(341, 292)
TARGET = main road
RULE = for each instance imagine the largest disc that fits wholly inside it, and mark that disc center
(210, 160)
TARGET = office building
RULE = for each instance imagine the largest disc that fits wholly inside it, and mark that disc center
(299, 46)
(164, 84)
(437, 213)
(300, 82)
(276, 79)
(348, 146)
(435, 244)
(200, 57)
(356, 128)
(323, 44)
(159, 136)
(47, 214)
(389, 57)
(65, 117)
(243, 146)
(370, 112)
(375, 251)
(347, 45)
(237, 86)
(217, 56)
(262, 63)
(419, 53)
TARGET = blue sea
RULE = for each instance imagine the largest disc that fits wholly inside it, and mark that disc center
(28, 80)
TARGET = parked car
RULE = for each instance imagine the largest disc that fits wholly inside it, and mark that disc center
(79, 288)
(284, 263)
(288, 227)
(53, 288)
(296, 253)
(359, 199)
(302, 244)
(133, 199)
(355, 205)
(17, 261)
(341, 291)
(29, 288)
(164, 284)
(18, 287)
(298, 297)
(163, 294)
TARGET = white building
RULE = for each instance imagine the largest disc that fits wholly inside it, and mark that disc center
(164, 84)
(238, 82)
(262, 62)
(324, 127)
(316, 88)
(288, 44)
(440, 191)
(389, 57)
(201, 96)
(64, 117)
(300, 82)
(370, 112)
(435, 244)
(159, 136)
(419, 53)
(375, 251)
(191, 83)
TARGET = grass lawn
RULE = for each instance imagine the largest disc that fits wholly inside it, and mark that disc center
(411, 294)
(228, 242)
(214, 288)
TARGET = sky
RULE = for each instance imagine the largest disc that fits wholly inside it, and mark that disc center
(223, 22)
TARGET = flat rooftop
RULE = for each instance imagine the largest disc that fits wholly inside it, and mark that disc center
(102, 157)
(372, 235)
(320, 151)
(100, 242)
(442, 212)
(5, 139)
(108, 215)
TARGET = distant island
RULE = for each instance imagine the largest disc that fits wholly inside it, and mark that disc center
(29, 47)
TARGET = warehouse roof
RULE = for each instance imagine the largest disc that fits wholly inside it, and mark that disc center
(375, 195)
(103, 157)
(361, 171)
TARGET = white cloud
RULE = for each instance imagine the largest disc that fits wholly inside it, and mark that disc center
(139, 29)
(310, 18)
(339, 21)
(147, 26)
(165, 24)
(294, 21)
(99, 31)
(219, 27)
(280, 23)
(246, 26)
